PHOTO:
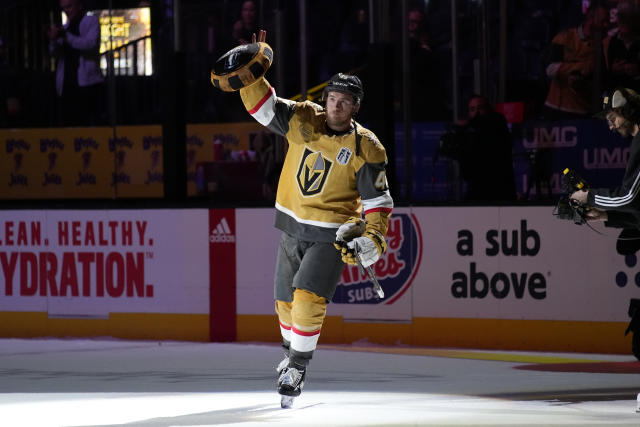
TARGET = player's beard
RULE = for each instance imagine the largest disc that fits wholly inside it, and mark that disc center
(338, 122)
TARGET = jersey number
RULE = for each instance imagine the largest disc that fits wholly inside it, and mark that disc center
(381, 181)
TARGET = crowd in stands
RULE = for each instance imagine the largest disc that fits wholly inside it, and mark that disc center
(561, 55)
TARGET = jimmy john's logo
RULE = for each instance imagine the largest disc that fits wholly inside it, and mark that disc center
(312, 173)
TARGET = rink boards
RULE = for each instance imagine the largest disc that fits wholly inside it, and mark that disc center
(477, 277)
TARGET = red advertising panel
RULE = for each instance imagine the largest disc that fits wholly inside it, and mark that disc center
(222, 267)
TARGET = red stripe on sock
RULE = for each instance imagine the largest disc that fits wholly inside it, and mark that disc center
(305, 333)
(288, 328)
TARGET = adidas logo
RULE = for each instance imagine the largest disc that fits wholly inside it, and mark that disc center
(222, 233)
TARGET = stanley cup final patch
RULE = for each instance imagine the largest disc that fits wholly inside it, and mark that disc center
(343, 156)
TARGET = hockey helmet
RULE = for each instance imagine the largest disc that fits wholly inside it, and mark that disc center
(345, 83)
(241, 66)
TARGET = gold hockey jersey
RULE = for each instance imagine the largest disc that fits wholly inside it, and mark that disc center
(326, 178)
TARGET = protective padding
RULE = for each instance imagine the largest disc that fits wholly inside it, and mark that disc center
(241, 66)
(283, 309)
(308, 311)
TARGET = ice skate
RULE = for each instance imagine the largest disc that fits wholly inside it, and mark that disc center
(286, 402)
(290, 383)
(284, 364)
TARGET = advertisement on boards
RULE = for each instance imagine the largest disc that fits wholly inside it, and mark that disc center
(222, 271)
(60, 163)
(257, 248)
(519, 263)
(93, 263)
(396, 271)
(542, 150)
(463, 262)
(138, 164)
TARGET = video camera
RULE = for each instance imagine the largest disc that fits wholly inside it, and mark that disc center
(567, 208)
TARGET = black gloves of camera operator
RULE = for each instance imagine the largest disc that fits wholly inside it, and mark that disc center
(574, 205)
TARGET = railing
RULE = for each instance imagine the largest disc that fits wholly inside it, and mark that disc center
(131, 59)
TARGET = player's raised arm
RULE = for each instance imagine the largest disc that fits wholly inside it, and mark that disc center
(242, 69)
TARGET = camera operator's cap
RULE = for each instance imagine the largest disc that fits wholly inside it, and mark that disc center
(615, 99)
(241, 66)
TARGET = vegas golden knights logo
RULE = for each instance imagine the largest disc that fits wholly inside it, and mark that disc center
(313, 172)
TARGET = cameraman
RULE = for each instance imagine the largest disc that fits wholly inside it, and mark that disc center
(483, 147)
(619, 207)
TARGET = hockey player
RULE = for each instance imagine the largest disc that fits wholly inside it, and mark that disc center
(334, 169)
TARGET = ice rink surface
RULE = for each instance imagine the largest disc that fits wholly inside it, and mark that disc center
(53, 382)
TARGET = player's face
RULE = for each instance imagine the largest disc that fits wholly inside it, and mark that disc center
(340, 110)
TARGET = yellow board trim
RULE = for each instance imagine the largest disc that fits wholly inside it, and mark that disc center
(488, 334)
(154, 326)
(491, 334)
(461, 354)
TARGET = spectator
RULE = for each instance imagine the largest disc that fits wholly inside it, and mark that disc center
(247, 24)
(418, 29)
(572, 65)
(351, 42)
(264, 144)
(483, 147)
(622, 50)
(427, 87)
(79, 82)
(229, 107)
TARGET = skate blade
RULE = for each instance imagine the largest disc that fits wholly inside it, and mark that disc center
(286, 401)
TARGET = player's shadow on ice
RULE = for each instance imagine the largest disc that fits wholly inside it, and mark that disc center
(255, 413)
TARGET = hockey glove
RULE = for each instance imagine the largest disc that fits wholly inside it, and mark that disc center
(352, 228)
(370, 245)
